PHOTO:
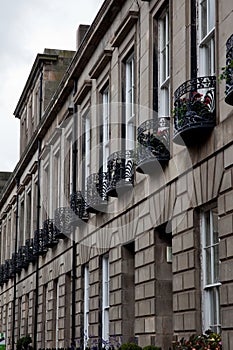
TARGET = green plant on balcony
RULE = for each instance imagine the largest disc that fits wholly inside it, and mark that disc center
(226, 72)
(209, 340)
(196, 105)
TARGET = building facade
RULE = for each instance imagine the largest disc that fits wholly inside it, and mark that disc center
(116, 224)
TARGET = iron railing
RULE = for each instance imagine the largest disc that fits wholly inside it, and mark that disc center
(228, 74)
(78, 208)
(153, 143)
(120, 172)
(29, 256)
(39, 247)
(50, 233)
(96, 197)
(22, 262)
(194, 109)
(62, 222)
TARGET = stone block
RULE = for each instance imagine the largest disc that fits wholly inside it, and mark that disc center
(225, 225)
(177, 282)
(178, 322)
(190, 321)
(149, 324)
(228, 157)
(189, 279)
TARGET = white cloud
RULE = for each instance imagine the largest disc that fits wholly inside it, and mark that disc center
(26, 28)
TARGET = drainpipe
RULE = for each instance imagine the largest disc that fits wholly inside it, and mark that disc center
(193, 35)
(37, 256)
(16, 242)
(74, 248)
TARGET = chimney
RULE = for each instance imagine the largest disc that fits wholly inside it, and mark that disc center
(82, 29)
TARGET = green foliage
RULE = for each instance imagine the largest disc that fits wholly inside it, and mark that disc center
(206, 341)
(130, 346)
(151, 347)
(23, 343)
(226, 72)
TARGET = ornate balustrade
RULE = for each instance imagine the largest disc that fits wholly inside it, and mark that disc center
(96, 197)
(120, 172)
(194, 112)
(228, 74)
(154, 144)
(29, 248)
(78, 208)
(6, 271)
(62, 222)
(39, 247)
(50, 233)
(22, 262)
(1, 275)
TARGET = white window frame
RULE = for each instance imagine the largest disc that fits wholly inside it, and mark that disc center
(207, 41)
(130, 101)
(87, 160)
(210, 294)
(56, 177)
(106, 118)
(105, 300)
(164, 65)
(86, 306)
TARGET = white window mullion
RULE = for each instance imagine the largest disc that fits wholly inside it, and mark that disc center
(105, 128)
(129, 100)
(163, 49)
(87, 147)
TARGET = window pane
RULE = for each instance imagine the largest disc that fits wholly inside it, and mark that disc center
(215, 227)
(211, 10)
(203, 19)
(208, 266)
(207, 229)
(216, 264)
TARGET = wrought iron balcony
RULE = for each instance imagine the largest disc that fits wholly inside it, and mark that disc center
(29, 256)
(14, 259)
(96, 197)
(50, 233)
(22, 261)
(154, 143)
(39, 243)
(120, 172)
(12, 271)
(6, 271)
(228, 73)
(78, 208)
(194, 112)
(1, 275)
(62, 222)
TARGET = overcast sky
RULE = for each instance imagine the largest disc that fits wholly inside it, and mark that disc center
(26, 28)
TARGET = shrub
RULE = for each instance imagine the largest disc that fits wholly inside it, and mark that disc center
(23, 343)
(152, 347)
(130, 346)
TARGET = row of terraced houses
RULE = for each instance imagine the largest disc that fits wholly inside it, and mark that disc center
(116, 223)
